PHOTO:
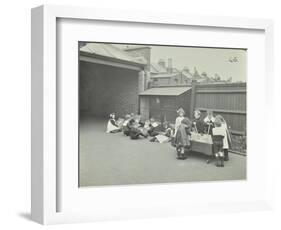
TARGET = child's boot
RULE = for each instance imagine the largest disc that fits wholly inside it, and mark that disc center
(182, 153)
(217, 160)
(187, 151)
(178, 152)
(226, 158)
(222, 161)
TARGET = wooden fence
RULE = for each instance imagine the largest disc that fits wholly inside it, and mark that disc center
(228, 100)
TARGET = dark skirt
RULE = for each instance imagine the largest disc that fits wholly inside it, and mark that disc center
(182, 138)
(218, 143)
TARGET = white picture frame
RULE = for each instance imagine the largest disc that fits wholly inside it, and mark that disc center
(45, 180)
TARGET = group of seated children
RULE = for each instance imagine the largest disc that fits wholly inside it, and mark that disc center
(214, 126)
(160, 132)
(133, 127)
(180, 134)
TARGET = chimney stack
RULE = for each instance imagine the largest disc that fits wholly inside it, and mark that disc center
(162, 63)
(170, 65)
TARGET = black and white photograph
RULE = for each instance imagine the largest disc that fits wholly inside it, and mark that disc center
(161, 114)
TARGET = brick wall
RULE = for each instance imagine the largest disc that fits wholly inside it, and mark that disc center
(104, 89)
(144, 107)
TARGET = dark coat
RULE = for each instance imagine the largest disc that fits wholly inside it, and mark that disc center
(199, 125)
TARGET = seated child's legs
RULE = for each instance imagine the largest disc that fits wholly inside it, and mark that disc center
(153, 139)
(135, 133)
(126, 132)
(116, 131)
(152, 133)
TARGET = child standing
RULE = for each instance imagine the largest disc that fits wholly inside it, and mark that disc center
(182, 139)
(227, 139)
(179, 119)
(198, 125)
(219, 134)
(209, 122)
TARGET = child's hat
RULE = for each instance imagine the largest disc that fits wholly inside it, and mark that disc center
(180, 110)
(197, 111)
(217, 121)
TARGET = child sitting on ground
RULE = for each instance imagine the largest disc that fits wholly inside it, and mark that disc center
(112, 126)
(154, 128)
(125, 126)
(168, 129)
(138, 120)
(135, 131)
(164, 136)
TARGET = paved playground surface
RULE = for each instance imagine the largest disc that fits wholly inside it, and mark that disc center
(113, 159)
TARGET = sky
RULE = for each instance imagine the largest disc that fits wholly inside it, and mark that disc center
(210, 60)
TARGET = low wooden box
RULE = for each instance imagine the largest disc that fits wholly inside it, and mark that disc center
(202, 143)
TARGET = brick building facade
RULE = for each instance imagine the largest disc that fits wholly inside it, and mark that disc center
(106, 89)
(109, 83)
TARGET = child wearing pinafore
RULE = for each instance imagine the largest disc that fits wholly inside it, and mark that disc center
(112, 126)
(227, 139)
(179, 119)
(219, 134)
(182, 139)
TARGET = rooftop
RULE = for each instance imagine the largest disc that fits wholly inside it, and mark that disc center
(111, 51)
(164, 75)
(165, 91)
(136, 47)
(156, 68)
